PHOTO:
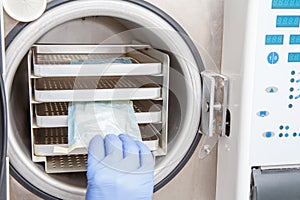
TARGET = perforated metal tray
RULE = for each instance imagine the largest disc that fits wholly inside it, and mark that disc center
(49, 65)
(66, 163)
(46, 139)
(55, 114)
(95, 89)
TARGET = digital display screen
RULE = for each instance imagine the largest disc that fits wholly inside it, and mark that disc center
(294, 57)
(294, 39)
(287, 21)
(274, 39)
(286, 4)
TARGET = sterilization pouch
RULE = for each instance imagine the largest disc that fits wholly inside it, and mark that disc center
(87, 119)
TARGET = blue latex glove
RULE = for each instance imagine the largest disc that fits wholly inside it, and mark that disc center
(119, 168)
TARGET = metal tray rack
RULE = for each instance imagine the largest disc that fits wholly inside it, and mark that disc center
(95, 88)
(66, 61)
(46, 139)
(55, 114)
(60, 74)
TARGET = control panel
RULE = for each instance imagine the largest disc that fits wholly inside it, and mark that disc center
(275, 134)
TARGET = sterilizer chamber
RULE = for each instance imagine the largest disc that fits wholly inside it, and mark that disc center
(92, 23)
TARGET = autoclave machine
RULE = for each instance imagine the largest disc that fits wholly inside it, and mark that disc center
(257, 154)
(163, 81)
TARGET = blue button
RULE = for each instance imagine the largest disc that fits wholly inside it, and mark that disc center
(295, 134)
(268, 134)
(262, 113)
(271, 89)
(273, 58)
(293, 72)
(286, 135)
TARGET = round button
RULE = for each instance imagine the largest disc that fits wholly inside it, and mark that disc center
(268, 134)
(286, 135)
(295, 134)
(271, 89)
(273, 58)
(262, 113)
(293, 72)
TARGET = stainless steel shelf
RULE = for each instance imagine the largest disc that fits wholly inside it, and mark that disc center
(98, 63)
(46, 139)
(95, 89)
(55, 114)
(66, 163)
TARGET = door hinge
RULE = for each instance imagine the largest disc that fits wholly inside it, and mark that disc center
(213, 110)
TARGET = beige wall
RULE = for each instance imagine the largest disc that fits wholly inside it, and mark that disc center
(203, 20)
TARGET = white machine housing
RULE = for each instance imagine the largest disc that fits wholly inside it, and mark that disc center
(263, 92)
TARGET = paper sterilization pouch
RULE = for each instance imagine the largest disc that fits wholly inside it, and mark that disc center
(87, 119)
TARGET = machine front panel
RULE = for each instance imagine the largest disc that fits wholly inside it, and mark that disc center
(275, 134)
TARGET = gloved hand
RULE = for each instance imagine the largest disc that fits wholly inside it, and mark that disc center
(119, 168)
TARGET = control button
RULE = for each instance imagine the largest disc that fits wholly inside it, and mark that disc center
(286, 135)
(271, 89)
(262, 113)
(294, 134)
(293, 72)
(273, 58)
(268, 134)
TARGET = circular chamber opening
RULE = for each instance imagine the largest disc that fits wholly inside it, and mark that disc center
(93, 23)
